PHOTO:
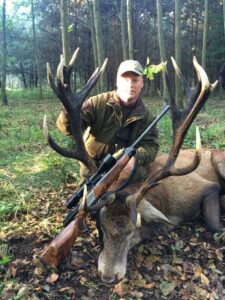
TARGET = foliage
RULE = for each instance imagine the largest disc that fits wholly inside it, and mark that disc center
(5, 260)
(150, 70)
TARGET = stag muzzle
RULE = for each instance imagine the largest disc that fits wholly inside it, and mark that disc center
(112, 262)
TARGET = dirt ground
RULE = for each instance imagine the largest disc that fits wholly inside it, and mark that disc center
(186, 264)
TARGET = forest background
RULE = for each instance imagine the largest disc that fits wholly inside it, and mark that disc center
(35, 32)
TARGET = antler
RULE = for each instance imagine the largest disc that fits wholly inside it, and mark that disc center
(72, 102)
(181, 121)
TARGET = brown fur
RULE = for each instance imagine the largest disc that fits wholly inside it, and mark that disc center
(180, 199)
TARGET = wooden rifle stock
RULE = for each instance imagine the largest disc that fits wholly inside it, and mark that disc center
(60, 246)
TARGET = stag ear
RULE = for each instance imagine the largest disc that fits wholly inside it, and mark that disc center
(149, 213)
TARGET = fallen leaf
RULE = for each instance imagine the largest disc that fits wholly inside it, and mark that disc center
(166, 287)
(179, 245)
(38, 271)
(139, 282)
(197, 270)
(77, 261)
(136, 294)
(219, 254)
(2, 235)
(65, 289)
(59, 219)
(52, 278)
(13, 271)
(83, 279)
(121, 289)
(201, 293)
(193, 241)
(150, 285)
(204, 279)
(22, 293)
(46, 288)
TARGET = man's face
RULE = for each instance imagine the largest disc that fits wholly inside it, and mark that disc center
(129, 86)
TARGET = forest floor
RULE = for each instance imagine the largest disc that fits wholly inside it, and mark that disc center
(186, 264)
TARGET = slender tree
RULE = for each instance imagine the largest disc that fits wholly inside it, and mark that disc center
(99, 40)
(64, 30)
(161, 46)
(93, 33)
(4, 56)
(36, 52)
(178, 51)
(124, 28)
(130, 31)
(205, 30)
(224, 17)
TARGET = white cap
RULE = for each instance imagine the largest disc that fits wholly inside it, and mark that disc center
(130, 66)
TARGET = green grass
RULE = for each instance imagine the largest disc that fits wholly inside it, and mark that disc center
(211, 123)
(27, 163)
(32, 175)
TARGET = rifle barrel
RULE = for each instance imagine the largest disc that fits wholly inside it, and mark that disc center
(163, 112)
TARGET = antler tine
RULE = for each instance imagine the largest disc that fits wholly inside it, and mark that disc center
(62, 151)
(193, 108)
(92, 80)
(187, 88)
(72, 102)
(181, 123)
(51, 81)
(74, 58)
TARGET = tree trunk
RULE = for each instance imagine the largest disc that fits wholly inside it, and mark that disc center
(224, 16)
(93, 33)
(205, 30)
(178, 52)
(129, 29)
(36, 54)
(4, 56)
(99, 41)
(124, 28)
(23, 75)
(162, 47)
(64, 31)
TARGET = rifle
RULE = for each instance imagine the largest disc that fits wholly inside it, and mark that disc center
(99, 183)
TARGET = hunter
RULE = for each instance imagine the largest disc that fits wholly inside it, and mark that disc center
(116, 119)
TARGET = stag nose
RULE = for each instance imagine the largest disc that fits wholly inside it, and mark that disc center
(108, 279)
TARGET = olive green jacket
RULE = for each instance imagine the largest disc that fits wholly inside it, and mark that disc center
(105, 117)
